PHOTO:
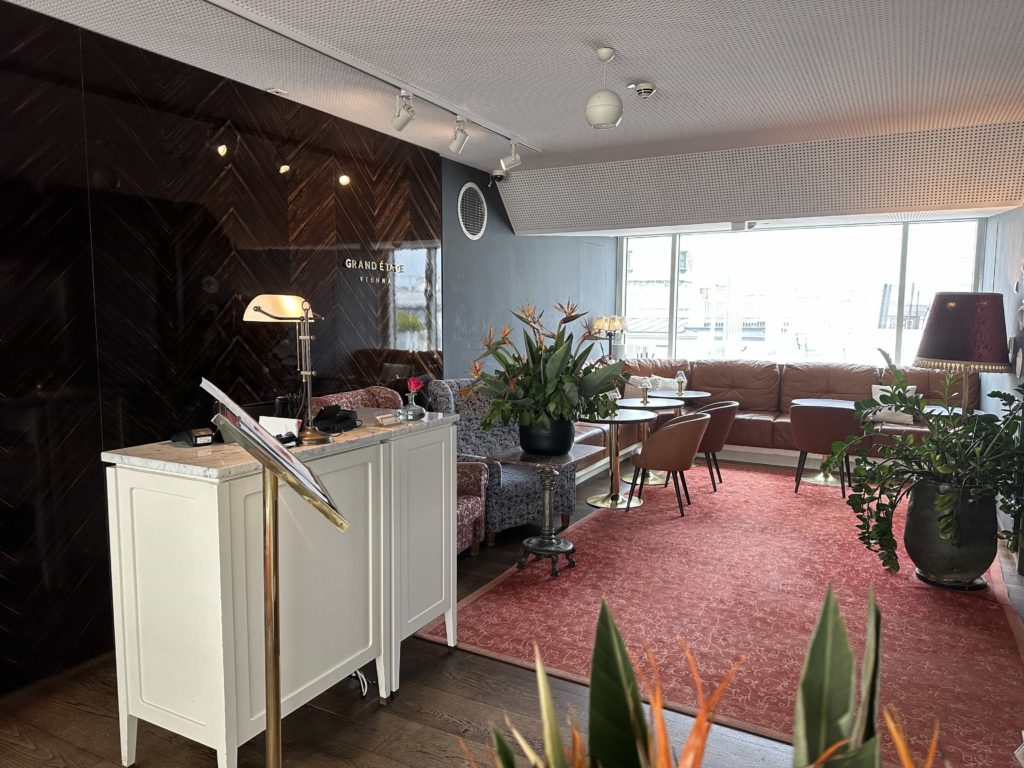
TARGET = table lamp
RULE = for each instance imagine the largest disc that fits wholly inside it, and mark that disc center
(965, 333)
(284, 308)
(610, 325)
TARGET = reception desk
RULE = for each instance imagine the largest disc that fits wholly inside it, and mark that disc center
(186, 550)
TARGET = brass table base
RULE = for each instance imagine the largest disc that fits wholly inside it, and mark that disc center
(821, 479)
(613, 500)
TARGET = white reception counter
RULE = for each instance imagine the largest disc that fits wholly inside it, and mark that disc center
(186, 548)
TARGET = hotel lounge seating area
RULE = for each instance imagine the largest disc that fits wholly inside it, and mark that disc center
(360, 360)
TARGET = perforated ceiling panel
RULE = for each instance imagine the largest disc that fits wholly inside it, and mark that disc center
(732, 73)
(958, 168)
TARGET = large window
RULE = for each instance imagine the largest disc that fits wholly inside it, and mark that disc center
(824, 293)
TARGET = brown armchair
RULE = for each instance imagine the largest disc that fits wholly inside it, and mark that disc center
(722, 416)
(670, 449)
(368, 397)
(815, 428)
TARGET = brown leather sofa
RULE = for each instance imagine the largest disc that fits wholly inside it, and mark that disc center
(766, 390)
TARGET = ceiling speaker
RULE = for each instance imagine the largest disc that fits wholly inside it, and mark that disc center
(472, 211)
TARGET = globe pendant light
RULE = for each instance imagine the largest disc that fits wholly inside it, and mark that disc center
(604, 108)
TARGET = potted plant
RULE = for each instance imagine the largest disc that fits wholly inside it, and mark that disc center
(954, 477)
(547, 384)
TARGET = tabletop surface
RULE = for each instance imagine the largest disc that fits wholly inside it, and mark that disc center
(660, 404)
(688, 394)
(518, 456)
(828, 402)
(625, 416)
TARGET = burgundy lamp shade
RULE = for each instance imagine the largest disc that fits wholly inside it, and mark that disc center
(965, 332)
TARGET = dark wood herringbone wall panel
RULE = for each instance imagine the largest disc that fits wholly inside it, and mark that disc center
(129, 249)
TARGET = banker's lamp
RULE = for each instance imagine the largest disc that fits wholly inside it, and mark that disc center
(609, 325)
(283, 308)
(965, 333)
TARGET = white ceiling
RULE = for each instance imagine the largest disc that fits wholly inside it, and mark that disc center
(731, 73)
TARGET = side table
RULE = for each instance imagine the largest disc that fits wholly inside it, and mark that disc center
(547, 544)
(616, 498)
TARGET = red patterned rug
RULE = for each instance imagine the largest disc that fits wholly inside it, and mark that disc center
(744, 574)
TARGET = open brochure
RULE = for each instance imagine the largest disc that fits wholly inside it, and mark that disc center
(265, 448)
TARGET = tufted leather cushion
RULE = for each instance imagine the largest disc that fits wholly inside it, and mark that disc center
(753, 428)
(655, 366)
(754, 384)
(929, 383)
(835, 381)
(592, 434)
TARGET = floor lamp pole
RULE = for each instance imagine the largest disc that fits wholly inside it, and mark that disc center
(271, 621)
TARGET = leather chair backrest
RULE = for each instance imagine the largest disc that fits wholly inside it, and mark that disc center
(449, 396)
(754, 384)
(654, 366)
(368, 397)
(929, 383)
(722, 416)
(816, 427)
(674, 445)
(834, 381)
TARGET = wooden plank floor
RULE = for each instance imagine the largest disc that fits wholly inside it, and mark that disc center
(70, 721)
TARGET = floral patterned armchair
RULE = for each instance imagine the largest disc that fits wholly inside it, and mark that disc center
(369, 397)
(513, 494)
(469, 513)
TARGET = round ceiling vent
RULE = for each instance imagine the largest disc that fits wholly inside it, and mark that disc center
(472, 211)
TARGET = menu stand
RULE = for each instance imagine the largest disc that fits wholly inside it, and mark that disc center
(278, 464)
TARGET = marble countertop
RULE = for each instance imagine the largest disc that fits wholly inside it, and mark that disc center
(223, 461)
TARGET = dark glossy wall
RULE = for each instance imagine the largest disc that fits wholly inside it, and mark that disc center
(128, 251)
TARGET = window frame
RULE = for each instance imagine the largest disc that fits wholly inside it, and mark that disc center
(621, 304)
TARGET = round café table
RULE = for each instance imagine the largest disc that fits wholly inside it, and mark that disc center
(686, 394)
(616, 496)
(652, 404)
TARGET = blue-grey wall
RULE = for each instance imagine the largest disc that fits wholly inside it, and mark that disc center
(484, 279)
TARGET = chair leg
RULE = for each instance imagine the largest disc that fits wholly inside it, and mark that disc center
(849, 474)
(842, 479)
(800, 470)
(679, 498)
(643, 479)
(686, 491)
(491, 539)
(718, 469)
(711, 471)
(632, 485)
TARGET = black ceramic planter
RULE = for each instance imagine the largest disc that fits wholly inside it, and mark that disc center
(938, 560)
(553, 441)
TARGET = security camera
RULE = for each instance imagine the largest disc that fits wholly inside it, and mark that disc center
(497, 175)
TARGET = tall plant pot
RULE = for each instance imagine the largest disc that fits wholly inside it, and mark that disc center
(553, 441)
(938, 560)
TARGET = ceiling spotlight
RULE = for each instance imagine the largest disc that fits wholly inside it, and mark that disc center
(344, 180)
(604, 108)
(222, 150)
(284, 169)
(512, 159)
(460, 137)
(404, 113)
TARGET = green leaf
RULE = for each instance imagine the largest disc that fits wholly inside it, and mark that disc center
(552, 736)
(824, 699)
(506, 757)
(618, 732)
(870, 679)
(556, 363)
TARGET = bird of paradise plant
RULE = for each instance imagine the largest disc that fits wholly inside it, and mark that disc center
(550, 378)
(825, 725)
